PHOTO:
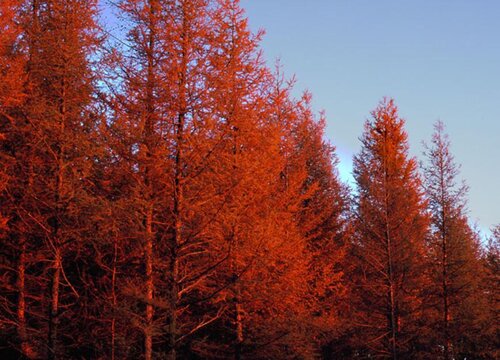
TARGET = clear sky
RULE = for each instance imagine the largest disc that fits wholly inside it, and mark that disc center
(439, 59)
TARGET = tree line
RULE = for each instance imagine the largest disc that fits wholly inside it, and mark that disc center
(165, 196)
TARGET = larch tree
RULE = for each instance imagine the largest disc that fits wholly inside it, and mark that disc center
(264, 197)
(390, 230)
(137, 143)
(324, 223)
(454, 263)
(319, 209)
(489, 332)
(167, 141)
(252, 223)
(56, 157)
(12, 130)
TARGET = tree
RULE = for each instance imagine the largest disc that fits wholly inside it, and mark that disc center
(390, 230)
(13, 255)
(453, 249)
(488, 333)
(256, 223)
(53, 151)
(167, 139)
(321, 215)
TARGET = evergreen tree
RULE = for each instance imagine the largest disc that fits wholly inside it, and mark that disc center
(53, 150)
(391, 226)
(454, 264)
(13, 58)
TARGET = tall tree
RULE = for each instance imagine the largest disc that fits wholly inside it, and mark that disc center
(453, 247)
(320, 211)
(55, 157)
(143, 157)
(252, 223)
(391, 226)
(167, 140)
(12, 130)
(325, 225)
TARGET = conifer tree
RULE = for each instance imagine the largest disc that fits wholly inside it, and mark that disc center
(453, 249)
(391, 226)
(168, 140)
(55, 159)
(324, 224)
(486, 339)
(256, 224)
(12, 130)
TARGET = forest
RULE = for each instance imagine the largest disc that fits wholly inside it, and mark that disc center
(165, 196)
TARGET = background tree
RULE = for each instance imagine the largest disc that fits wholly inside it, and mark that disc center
(321, 215)
(487, 334)
(391, 226)
(454, 266)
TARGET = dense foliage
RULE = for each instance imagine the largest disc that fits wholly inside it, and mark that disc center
(165, 196)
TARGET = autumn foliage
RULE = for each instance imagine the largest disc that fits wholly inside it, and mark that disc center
(164, 195)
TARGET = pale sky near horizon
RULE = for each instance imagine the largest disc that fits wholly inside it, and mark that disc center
(439, 59)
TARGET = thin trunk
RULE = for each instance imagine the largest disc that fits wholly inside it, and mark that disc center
(239, 323)
(113, 296)
(149, 129)
(55, 281)
(392, 303)
(176, 240)
(444, 249)
(178, 190)
(148, 340)
(174, 269)
(447, 345)
(238, 308)
(392, 315)
(21, 301)
(391, 294)
(55, 240)
(54, 307)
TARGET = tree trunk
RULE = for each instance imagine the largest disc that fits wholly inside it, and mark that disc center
(148, 339)
(54, 307)
(390, 271)
(444, 238)
(148, 134)
(21, 302)
(176, 239)
(239, 325)
(113, 295)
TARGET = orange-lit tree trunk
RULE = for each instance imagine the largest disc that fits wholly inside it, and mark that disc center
(148, 177)
(114, 299)
(178, 202)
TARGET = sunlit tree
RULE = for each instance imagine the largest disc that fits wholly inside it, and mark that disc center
(391, 225)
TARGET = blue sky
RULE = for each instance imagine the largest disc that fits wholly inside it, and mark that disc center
(439, 59)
